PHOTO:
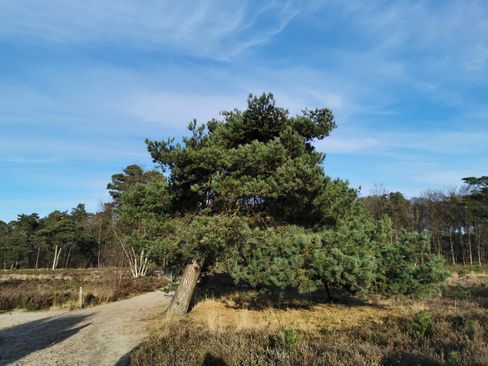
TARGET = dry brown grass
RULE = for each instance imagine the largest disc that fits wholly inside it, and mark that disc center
(220, 331)
(42, 289)
(218, 315)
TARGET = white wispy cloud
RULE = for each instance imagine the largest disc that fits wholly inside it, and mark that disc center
(111, 73)
(448, 177)
(425, 46)
(441, 142)
(26, 160)
(217, 29)
(477, 58)
(23, 150)
(407, 144)
(346, 145)
(177, 110)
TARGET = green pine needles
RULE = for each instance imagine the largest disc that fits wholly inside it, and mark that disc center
(249, 192)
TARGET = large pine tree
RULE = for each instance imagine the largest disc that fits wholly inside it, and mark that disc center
(250, 192)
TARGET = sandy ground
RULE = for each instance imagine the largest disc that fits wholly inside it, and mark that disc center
(100, 335)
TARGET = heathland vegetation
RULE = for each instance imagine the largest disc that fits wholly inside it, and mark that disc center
(243, 206)
(241, 328)
(46, 289)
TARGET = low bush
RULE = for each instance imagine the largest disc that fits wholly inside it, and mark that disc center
(422, 323)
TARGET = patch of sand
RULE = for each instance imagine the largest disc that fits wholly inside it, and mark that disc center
(101, 335)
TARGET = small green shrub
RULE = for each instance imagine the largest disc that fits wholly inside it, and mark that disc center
(26, 304)
(453, 358)
(422, 323)
(460, 293)
(290, 337)
(478, 269)
(471, 327)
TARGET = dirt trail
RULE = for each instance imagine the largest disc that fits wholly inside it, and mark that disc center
(101, 335)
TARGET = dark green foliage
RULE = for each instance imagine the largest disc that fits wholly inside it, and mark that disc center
(478, 194)
(141, 207)
(404, 266)
(471, 328)
(291, 256)
(67, 231)
(290, 337)
(477, 201)
(276, 257)
(393, 205)
(422, 323)
(356, 255)
(249, 193)
(346, 259)
(132, 175)
(457, 221)
(142, 215)
(20, 241)
(30, 241)
(256, 162)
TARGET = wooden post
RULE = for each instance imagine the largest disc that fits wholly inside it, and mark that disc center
(81, 297)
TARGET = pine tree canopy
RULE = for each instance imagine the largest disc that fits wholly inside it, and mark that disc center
(257, 162)
(477, 198)
(249, 193)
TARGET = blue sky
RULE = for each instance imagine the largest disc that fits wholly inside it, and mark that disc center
(83, 82)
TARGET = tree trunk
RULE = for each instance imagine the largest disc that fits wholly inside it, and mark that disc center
(99, 242)
(37, 258)
(54, 258)
(439, 245)
(181, 300)
(478, 241)
(468, 229)
(66, 263)
(57, 253)
(463, 251)
(326, 286)
(453, 257)
(433, 230)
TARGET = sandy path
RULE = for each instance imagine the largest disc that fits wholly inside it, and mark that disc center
(101, 335)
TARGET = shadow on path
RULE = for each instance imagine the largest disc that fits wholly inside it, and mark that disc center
(125, 359)
(21, 340)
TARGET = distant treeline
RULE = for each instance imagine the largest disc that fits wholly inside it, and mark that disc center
(61, 239)
(73, 238)
(456, 220)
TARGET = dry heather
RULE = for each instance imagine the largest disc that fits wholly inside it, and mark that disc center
(42, 289)
(451, 329)
(218, 316)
